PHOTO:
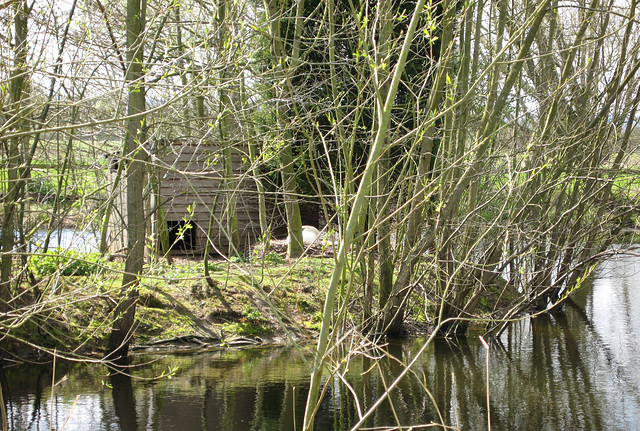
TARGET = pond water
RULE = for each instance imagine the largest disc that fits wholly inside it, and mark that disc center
(82, 240)
(577, 370)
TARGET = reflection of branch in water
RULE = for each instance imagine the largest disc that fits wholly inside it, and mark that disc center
(619, 369)
(8, 401)
(593, 331)
(497, 341)
(480, 385)
(470, 379)
(577, 366)
(204, 413)
(37, 399)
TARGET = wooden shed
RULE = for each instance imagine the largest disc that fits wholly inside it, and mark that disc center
(192, 196)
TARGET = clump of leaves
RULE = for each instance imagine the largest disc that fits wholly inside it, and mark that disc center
(66, 262)
(252, 314)
(274, 258)
(239, 259)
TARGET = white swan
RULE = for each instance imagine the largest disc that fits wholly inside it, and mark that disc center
(309, 235)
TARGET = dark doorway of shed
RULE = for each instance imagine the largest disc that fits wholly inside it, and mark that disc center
(182, 235)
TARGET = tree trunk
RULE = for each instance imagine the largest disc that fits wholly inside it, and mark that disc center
(382, 204)
(295, 247)
(290, 190)
(394, 311)
(228, 130)
(254, 160)
(134, 156)
(12, 152)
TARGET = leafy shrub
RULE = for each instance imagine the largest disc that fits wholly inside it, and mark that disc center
(67, 262)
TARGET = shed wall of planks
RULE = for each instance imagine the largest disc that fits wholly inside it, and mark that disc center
(187, 191)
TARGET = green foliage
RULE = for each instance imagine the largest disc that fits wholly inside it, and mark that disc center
(162, 323)
(238, 259)
(213, 267)
(43, 188)
(315, 322)
(247, 328)
(66, 262)
(252, 323)
(274, 259)
(252, 314)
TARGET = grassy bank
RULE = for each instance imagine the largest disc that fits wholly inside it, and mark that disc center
(265, 300)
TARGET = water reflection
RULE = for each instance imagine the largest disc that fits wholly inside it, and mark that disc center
(123, 399)
(574, 370)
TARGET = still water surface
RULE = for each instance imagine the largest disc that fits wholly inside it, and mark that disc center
(578, 370)
(65, 238)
